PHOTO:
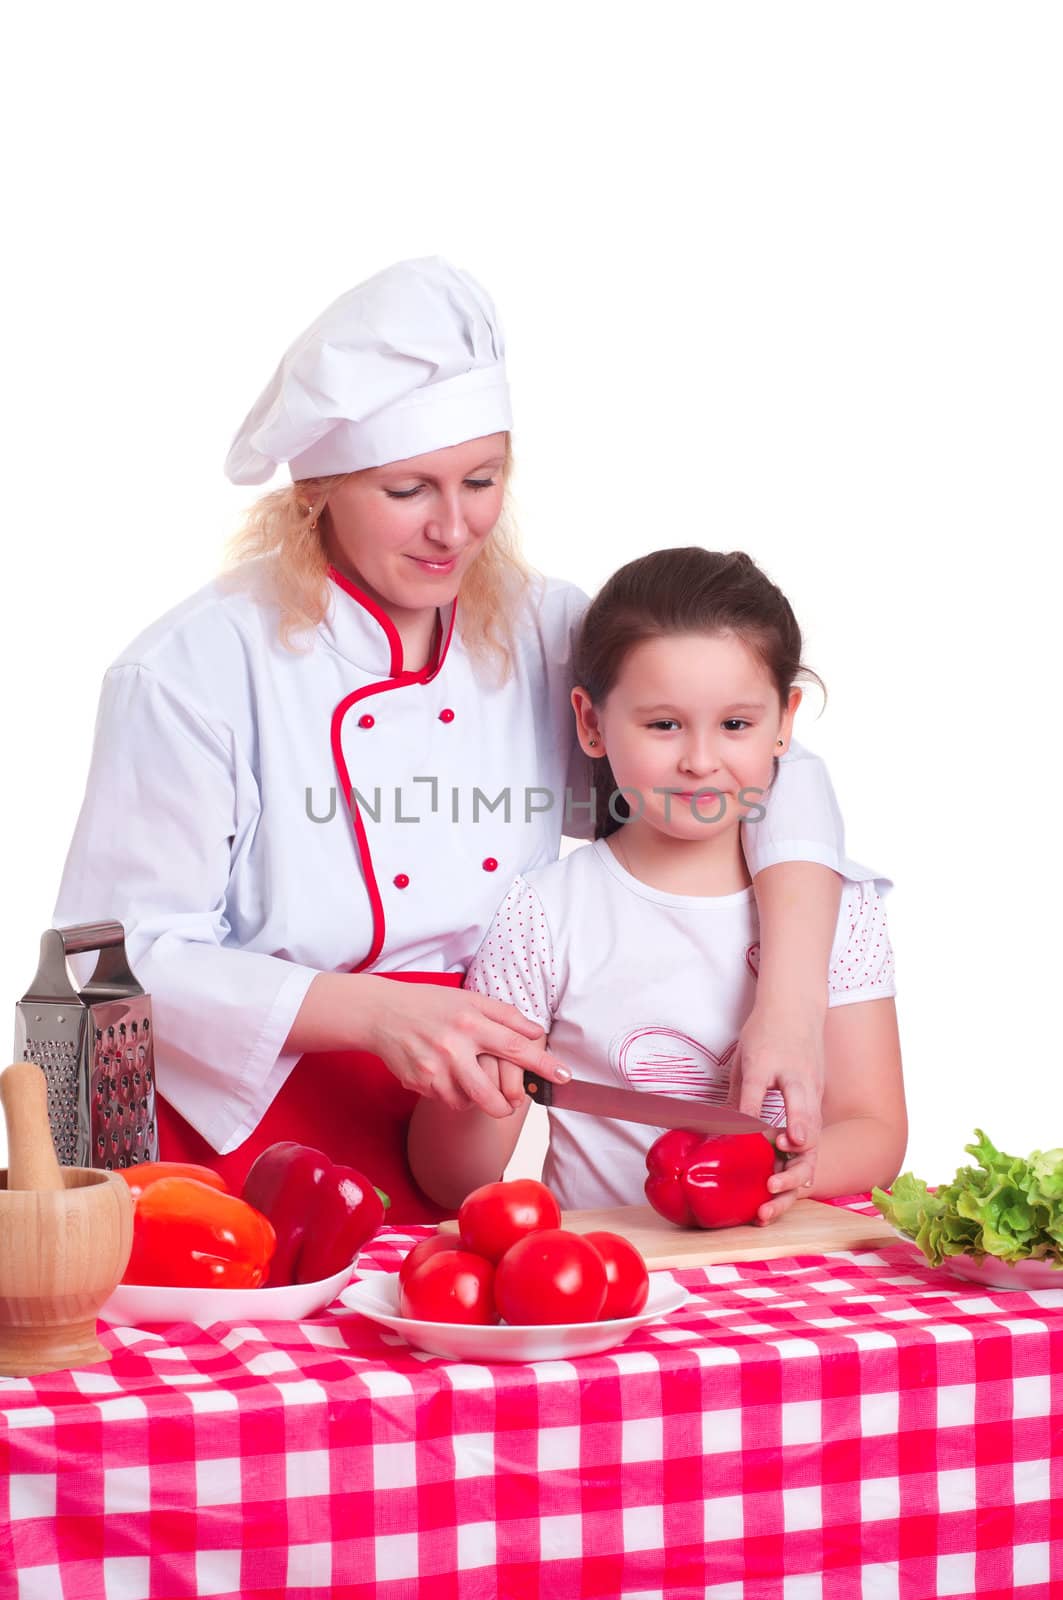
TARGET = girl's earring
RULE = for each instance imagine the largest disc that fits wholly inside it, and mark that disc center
(594, 741)
(779, 743)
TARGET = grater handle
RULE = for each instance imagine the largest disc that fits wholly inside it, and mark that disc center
(82, 936)
(112, 978)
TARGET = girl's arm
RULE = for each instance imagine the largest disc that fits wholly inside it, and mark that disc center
(453, 1152)
(865, 1121)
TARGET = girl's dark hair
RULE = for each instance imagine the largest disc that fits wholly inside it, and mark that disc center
(687, 590)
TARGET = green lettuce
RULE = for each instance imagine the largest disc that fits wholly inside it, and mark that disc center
(1005, 1206)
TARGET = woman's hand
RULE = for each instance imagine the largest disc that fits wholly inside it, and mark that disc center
(433, 1038)
(783, 1050)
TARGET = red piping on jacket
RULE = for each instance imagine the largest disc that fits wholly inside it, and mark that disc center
(397, 680)
(378, 615)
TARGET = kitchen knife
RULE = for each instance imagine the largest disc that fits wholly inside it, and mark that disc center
(632, 1105)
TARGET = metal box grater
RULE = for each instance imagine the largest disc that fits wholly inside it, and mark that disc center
(95, 1048)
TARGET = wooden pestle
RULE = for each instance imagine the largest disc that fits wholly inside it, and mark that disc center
(31, 1158)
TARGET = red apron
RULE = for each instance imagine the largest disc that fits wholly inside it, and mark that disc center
(344, 1102)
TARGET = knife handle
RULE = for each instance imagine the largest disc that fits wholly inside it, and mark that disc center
(540, 1089)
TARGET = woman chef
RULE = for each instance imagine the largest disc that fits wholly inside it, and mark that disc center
(313, 781)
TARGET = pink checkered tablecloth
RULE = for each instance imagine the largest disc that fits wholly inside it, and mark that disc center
(851, 1427)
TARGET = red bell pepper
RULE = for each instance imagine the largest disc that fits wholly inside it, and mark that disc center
(715, 1182)
(322, 1212)
(189, 1233)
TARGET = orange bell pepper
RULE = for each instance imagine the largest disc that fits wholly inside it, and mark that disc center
(189, 1233)
(147, 1172)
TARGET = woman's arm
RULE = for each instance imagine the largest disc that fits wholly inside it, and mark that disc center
(796, 856)
(781, 1044)
(152, 848)
(865, 1120)
(441, 1042)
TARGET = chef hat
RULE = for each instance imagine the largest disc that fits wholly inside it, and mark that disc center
(409, 361)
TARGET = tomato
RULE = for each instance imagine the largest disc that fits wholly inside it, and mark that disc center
(494, 1217)
(549, 1277)
(424, 1252)
(139, 1177)
(451, 1286)
(627, 1281)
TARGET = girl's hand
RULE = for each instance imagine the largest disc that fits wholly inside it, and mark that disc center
(431, 1038)
(792, 1180)
(783, 1050)
(508, 1079)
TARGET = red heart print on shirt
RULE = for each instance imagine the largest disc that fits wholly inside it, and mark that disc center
(666, 1061)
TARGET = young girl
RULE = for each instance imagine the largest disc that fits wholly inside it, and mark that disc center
(687, 665)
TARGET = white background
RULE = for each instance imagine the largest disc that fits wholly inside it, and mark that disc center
(776, 277)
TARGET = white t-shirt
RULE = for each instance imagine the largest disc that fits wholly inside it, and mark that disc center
(648, 990)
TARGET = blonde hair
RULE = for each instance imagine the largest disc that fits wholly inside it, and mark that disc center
(283, 527)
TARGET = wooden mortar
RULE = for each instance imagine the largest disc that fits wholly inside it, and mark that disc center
(65, 1238)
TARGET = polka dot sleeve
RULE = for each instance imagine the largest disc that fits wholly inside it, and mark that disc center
(861, 963)
(516, 960)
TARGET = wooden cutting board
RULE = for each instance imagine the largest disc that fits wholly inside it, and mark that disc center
(808, 1228)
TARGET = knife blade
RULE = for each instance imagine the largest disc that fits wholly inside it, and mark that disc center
(632, 1105)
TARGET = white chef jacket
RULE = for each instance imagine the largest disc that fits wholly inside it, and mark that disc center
(216, 747)
(639, 988)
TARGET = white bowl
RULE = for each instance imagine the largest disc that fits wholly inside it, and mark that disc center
(376, 1296)
(133, 1305)
(991, 1271)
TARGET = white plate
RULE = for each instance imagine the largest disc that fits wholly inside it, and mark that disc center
(134, 1304)
(376, 1296)
(992, 1272)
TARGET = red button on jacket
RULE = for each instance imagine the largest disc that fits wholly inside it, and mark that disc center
(366, 721)
(490, 865)
(401, 881)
